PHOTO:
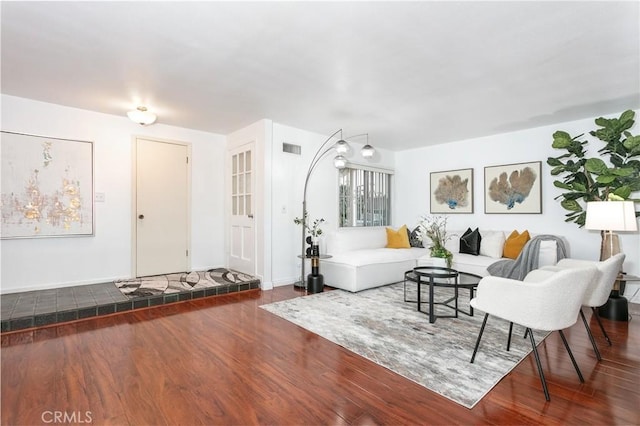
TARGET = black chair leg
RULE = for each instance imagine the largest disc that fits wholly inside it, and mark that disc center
(475, 350)
(606, 336)
(509, 338)
(537, 357)
(593, 341)
(573, 360)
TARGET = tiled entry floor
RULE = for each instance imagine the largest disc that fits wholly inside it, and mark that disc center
(38, 308)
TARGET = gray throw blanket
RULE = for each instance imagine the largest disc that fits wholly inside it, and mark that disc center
(528, 259)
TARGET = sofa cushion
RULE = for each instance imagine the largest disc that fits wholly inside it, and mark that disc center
(514, 244)
(470, 242)
(375, 256)
(492, 243)
(473, 264)
(398, 239)
(345, 239)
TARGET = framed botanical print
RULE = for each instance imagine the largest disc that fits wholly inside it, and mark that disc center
(513, 188)
(452, 191)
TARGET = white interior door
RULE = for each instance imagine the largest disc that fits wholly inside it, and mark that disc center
(242, 234)
(162, 219)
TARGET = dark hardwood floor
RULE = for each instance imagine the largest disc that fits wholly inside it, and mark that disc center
(224, 361)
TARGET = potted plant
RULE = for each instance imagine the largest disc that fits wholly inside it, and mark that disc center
(591, 179)
(434, 229)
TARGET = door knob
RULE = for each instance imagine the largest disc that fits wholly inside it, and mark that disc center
(250, 216)
(140, 216)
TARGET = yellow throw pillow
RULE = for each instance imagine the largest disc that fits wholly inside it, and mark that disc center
(514, 244)
(399, 238)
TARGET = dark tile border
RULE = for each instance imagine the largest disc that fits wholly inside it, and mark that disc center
(20, 323)
(171, 298)
(140, 303)
(184, 296)
(67, 316)
(107, 309)
(83, 312)
(124, 306)
(45, 319)
(87, 312)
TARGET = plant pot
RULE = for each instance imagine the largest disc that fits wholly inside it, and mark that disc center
(439, 262)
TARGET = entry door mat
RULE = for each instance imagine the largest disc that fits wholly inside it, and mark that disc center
(185, 282)
(378, 325)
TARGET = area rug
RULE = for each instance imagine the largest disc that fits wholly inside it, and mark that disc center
(179, 282)
(378, 325)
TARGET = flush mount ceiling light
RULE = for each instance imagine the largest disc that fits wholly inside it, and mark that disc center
(142, 116)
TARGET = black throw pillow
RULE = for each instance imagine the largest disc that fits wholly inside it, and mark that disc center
(470, 242)
(414, 241)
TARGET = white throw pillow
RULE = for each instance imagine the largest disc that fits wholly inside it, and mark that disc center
(453, 244)
(548, 253)
(492, 243)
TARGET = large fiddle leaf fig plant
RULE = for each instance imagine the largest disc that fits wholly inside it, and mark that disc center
(592, 179)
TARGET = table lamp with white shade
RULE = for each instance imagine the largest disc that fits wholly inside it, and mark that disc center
(610, 216)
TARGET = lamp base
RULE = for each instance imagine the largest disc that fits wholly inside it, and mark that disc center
(616, 308)
(315, 283)
(610, 245)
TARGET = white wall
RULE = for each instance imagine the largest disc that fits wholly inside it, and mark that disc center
(56, 262)
(288, 175)
(412, 186)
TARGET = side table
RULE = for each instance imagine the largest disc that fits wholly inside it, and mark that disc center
(315, 280)
(617, 307)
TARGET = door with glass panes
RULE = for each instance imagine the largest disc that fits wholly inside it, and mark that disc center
(242, 239)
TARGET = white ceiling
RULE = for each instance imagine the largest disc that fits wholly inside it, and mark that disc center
(408, 73)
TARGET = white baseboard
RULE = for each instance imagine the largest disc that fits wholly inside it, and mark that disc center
(266, 285)
(285, 281)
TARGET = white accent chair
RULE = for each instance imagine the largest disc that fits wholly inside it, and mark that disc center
(599, 288)
(545, 300)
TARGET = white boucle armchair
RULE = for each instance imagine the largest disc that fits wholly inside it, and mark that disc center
(545, 300)
(599, 288)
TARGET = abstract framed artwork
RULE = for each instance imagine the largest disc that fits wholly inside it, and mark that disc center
(513, 188)
(47, 187)
(452, 191)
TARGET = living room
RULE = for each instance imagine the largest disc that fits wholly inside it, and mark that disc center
(106, 256)
(46, 263)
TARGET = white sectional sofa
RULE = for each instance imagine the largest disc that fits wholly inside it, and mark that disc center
(359, 259)
(490, 252)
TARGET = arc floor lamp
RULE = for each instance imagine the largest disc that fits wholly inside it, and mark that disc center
(341, 147)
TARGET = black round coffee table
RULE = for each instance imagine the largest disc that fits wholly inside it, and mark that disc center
(436, 276)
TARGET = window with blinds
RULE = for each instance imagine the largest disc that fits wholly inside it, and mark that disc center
(365, 197)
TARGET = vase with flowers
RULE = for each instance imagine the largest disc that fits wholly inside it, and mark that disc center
(434, 229)
(314, 231)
